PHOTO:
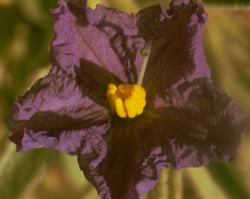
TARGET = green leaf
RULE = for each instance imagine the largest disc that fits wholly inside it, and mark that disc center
(17, 170)
(175, 184)
(199, 184)
(227, 1)
(161, 189)
(224, 176)
(216, 2)
(169, 186)
(227, 51)
(145, 3)
(7, 30)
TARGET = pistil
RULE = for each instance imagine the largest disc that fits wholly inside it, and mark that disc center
(145, 53)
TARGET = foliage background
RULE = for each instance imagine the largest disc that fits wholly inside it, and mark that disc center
(25, 33)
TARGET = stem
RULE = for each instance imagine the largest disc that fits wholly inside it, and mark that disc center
(145, 53)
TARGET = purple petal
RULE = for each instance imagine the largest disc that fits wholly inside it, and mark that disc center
(195, 124)
(177, 52)
(94, 81)
(105, 37)
(122, 174)
(56, 114)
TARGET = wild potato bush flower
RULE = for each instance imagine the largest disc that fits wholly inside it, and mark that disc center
(125, 125)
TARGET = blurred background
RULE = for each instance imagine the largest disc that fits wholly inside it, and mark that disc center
(25, 34)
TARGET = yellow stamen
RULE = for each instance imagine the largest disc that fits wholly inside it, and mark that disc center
(127, 100)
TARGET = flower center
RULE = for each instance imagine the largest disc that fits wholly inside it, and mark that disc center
(127, 100)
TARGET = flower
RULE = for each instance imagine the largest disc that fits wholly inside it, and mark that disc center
(186, 121)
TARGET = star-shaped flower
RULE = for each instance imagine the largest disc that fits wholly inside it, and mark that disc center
(91, 105)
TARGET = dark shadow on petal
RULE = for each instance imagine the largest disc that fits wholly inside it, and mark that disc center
(119, 43)
(44, 127)
(107, 37)
(54, 123)
(56, 114)
(116, 176)
(195, 125)
(76, 7)
(177, 51)
(130, 168)
(94, 80)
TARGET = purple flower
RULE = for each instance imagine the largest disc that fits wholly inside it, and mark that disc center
(186, 121)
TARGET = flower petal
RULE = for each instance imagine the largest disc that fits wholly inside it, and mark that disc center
(106, 37)
(94, 81)
(195, 124)
(56, 114)
(177, 52)
(122, 174)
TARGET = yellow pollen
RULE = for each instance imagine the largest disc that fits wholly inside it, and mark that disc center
(127, 100)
